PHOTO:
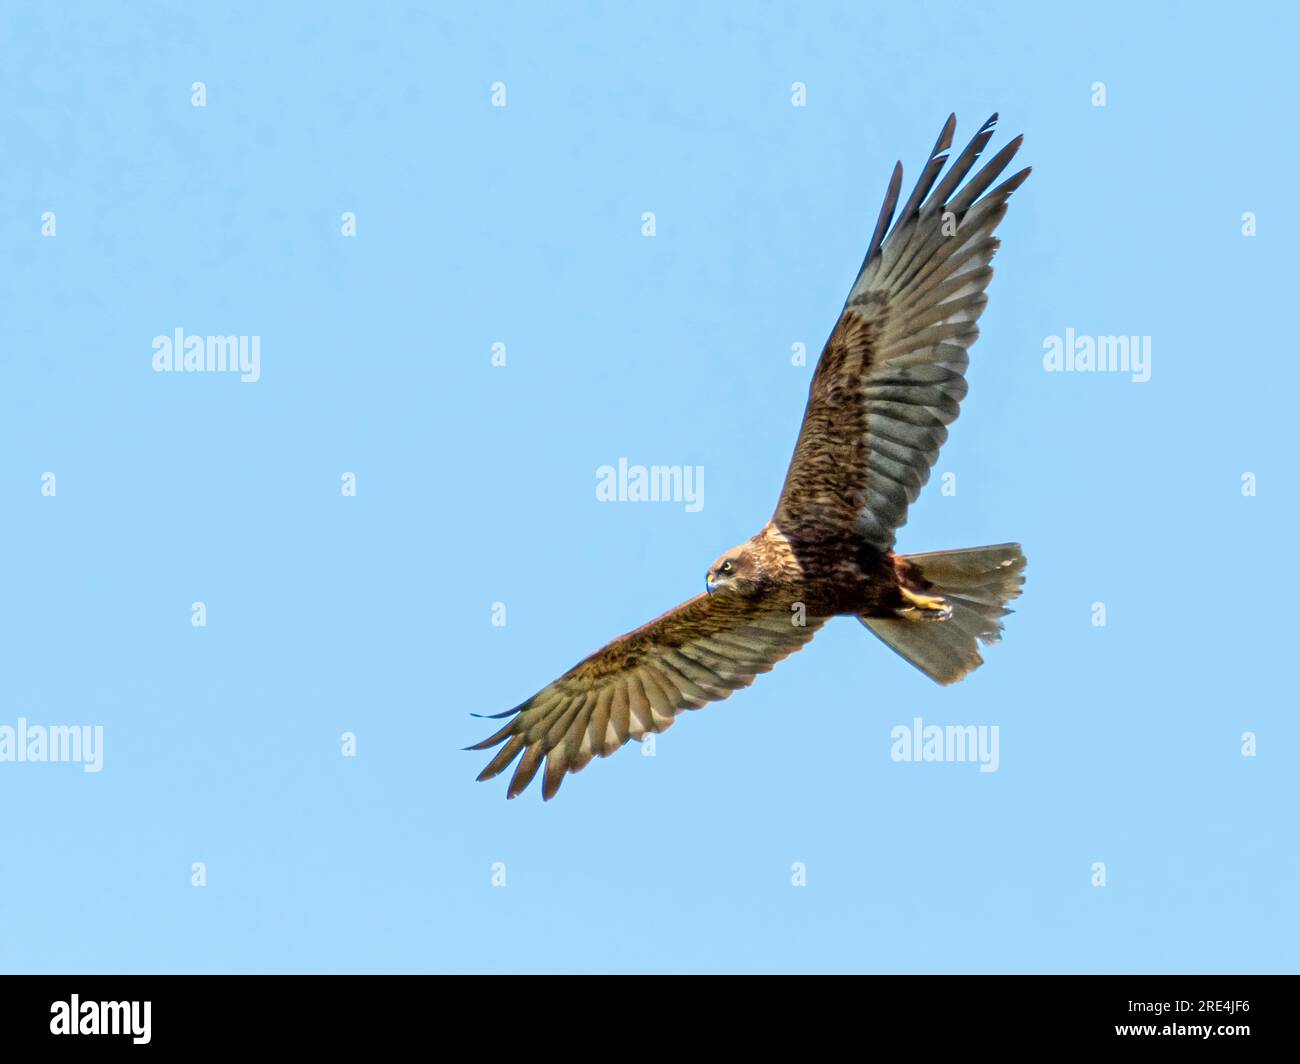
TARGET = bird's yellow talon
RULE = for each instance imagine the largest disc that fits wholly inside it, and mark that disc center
(925, 607)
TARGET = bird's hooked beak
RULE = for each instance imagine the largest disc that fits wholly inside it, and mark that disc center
(708, 583)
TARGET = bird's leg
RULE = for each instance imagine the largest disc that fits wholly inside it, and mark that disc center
(924, 607)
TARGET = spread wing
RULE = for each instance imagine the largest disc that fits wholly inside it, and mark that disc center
(893, 371)
(698, 653)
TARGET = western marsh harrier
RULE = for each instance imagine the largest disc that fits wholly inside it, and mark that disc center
(887, 385)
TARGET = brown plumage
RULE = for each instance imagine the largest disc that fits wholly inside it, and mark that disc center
(887, 385)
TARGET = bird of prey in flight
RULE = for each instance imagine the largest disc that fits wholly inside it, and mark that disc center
(887, 386)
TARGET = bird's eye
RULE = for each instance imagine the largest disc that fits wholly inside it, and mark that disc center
(726, 567)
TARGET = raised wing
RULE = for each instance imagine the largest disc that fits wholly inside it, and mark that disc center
(893, 371)
(698, 653)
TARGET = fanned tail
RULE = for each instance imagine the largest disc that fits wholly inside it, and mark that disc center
(974, 584)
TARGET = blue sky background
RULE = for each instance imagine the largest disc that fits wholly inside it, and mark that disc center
(476, 484)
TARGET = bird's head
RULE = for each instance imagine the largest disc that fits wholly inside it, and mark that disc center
(737, 570)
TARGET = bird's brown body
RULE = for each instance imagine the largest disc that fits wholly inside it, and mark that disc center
(830, 575)
(887, 385)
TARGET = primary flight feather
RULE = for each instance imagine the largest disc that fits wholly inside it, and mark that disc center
(888, 384)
